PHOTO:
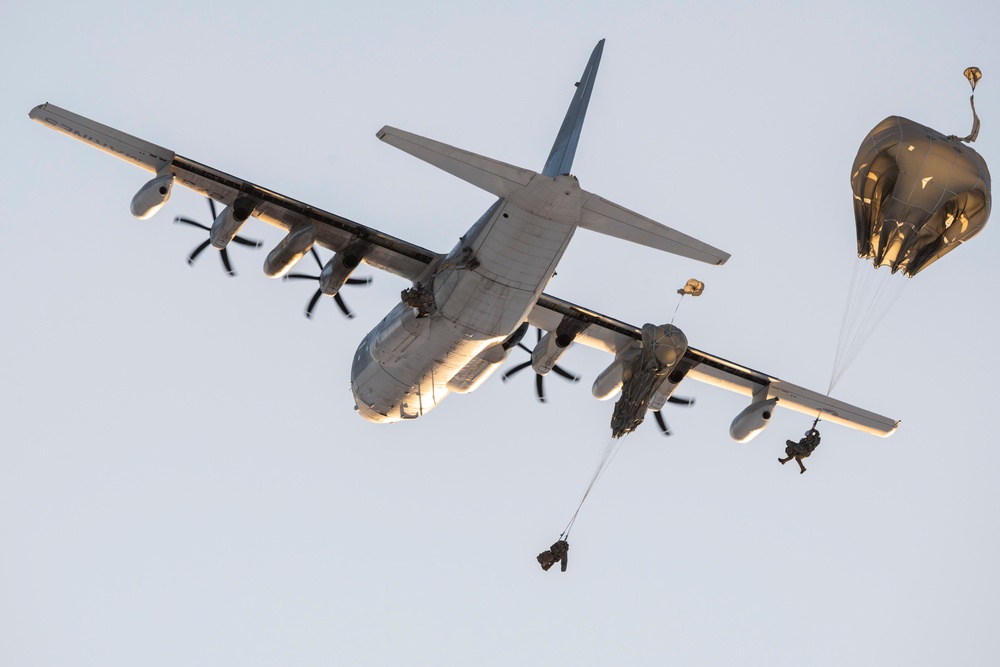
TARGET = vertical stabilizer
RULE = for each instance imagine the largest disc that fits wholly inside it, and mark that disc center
(564, 149)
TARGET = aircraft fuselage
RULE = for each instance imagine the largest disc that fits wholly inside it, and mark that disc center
(482, 292)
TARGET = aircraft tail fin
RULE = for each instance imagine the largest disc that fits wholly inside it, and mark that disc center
(498, 177)
(564, 149)
(511, 182)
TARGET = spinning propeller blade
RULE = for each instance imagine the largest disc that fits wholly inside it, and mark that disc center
(224, 254)
(539, 379)
(339, 300)
(662, 422)
(658, 415)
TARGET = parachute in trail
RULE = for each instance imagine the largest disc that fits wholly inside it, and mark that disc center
(918, 194)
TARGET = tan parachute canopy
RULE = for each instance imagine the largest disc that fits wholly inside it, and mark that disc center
(918, 194)
(694, 287)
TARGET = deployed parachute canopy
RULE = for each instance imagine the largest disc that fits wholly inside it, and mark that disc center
(694, 287)
(973, 74)
(917, 195)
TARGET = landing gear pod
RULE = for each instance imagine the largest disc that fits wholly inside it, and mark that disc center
(477, 371)
(151, 197)
(754, 419)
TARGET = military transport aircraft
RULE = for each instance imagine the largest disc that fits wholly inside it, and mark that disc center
(468, 308)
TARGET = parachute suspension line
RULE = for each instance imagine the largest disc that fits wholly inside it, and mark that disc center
(611, 450)
(841, 336)
(872, 295)
(694, 287)
(677, 308)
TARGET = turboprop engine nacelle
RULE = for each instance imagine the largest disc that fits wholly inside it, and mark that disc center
(151, 197)
(548, 351)
(336, 272)
(229, 222)
(290, 250)
(754, 419)
(666, 389)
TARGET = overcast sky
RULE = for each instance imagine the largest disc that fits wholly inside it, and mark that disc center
(183, 480)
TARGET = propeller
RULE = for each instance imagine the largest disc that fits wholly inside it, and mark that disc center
(222, 253)
(336, 297)
(539, 379)
(659, 416)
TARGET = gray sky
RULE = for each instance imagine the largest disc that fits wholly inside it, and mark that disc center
(182, 477)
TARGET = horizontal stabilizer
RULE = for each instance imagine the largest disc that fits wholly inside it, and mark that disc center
(498, 178)
(507, 181)
(600, 215)
(114, 142)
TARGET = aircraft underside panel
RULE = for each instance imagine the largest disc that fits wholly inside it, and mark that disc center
(485, 308)
(520, 249)
(481, 293)
(403, 367)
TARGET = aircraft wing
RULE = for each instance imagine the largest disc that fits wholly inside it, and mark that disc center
(334, 232)
(410, 261)
(608, 334)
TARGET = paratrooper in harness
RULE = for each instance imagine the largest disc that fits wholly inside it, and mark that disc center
(557, 553)
(801, 449)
